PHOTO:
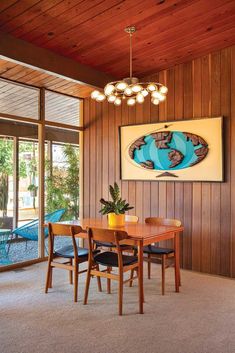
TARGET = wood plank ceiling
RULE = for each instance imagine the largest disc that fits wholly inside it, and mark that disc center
(168, 31)
(22, 74)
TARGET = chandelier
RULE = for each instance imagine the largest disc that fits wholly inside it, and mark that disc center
(130, 89)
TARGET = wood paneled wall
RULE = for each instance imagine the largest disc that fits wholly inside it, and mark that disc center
(200, 88)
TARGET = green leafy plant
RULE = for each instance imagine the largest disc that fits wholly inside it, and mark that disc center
(32, 188)
(117, 205)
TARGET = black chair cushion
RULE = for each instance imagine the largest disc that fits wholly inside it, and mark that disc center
(109, 258)
(152, 249)
(68, 252)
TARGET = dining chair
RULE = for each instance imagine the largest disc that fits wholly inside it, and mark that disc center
(72, 255)
(110, 259)
(131, 218)
(162, 254)
(110, 246)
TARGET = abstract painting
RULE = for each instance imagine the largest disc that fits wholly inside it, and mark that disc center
(187, 150)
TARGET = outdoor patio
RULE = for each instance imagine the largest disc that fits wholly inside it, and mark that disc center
(23, 251)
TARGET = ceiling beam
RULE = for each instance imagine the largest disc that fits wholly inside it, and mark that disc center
(32, 56)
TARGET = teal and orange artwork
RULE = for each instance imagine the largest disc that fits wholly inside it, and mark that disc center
(179, 150)
(168, 150)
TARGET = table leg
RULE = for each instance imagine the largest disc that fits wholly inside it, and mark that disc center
(177, 262)
(140, 275)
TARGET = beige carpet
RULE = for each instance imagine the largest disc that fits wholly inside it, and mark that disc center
(200, 319)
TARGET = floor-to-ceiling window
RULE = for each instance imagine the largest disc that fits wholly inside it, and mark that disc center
(35, 182)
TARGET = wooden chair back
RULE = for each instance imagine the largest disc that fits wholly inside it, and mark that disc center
(62, 230)
(106, 235)
(132, 219)
(163, 221)
(57, 229)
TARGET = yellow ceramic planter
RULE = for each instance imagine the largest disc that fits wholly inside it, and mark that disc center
(115, 220)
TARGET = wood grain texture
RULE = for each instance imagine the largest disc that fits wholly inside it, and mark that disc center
(232, 249)
(197, 187)
(215, 187)
(206, 197)
(225, 101)
(92, 32)
(37, 78)
(187, 199)
(202, 87)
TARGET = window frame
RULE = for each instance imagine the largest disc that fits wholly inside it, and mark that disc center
(42, 125)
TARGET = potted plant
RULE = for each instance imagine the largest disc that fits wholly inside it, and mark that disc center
(116, 208)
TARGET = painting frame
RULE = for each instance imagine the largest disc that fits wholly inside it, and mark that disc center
(165, 124)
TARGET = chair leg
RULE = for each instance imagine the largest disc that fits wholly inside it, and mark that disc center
(120, 293)
(109, 281)
(50, 283)
(76, 269)
(163, 273)
(149, 266)
(132, 271)
(71, 273)
(48, 279)
(131, 277)
(88, 279)
(99, 280)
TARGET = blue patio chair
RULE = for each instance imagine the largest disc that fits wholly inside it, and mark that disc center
(4, 235)
(29, 230)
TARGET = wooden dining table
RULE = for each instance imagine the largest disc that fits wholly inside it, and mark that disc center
(139, 235)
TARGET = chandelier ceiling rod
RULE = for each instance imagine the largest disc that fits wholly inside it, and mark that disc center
(130, 30)
(130, 55)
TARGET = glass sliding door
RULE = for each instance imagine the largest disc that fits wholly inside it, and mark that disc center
(62, 176)
(19, 193)
(19, 116)
(28, 181)
(27, 248)
(6, 196)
